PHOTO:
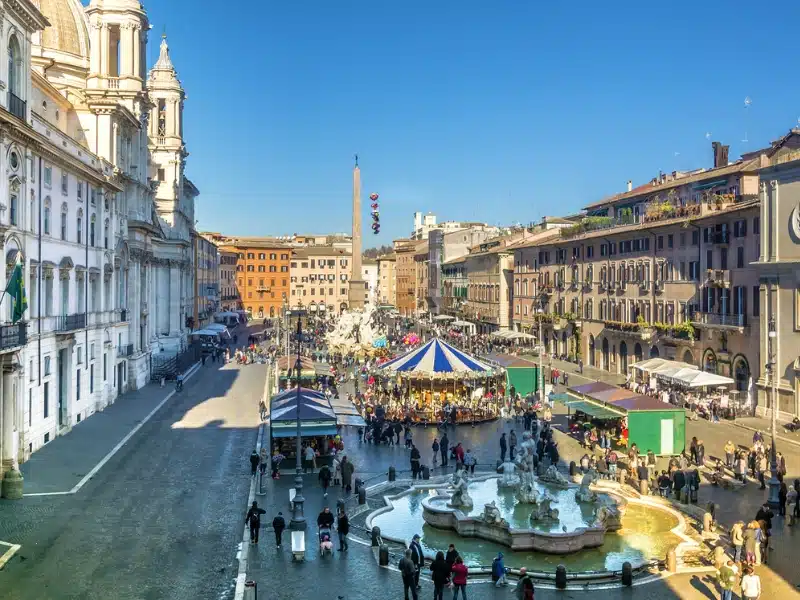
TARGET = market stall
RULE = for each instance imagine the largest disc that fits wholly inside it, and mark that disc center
(520, 373)
(437, 381)
(286, 375)
(317, 422)
(650, 423)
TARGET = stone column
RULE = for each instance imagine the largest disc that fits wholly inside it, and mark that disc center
(94, 55)
(175, 298)
(7, 432)
(104, 49)
(136, 50)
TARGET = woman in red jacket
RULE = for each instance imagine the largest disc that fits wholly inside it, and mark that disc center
(459, 572)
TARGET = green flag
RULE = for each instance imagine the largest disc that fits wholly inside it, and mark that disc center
(16, 289)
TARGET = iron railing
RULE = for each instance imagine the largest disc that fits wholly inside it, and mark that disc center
(125, 350)
(17, 106)
(708, 318)
(70, 322)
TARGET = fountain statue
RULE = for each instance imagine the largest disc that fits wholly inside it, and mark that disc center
(526, 463)
(608, 516)
(460, 497)
(584, 494)
(492, 516)
(509, 478)
(543, 510)
(553, 476)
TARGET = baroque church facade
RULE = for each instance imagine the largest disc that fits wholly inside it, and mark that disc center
(96, 206)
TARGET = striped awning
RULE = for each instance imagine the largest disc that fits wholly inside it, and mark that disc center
(436, 357)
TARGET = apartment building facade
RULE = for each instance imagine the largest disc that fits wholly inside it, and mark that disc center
(387, 279)
(406, 276)
(320, 278)
(262, 274)
(229, 296)
(663, 270)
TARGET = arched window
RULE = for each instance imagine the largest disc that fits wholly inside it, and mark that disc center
(105, 234)
(46, 216)
(13, 201)
(14, 71)
(64, 210)
(79, 226)
(525, 288)
(92, 223)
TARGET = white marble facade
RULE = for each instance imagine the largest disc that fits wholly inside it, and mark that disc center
(94, 200)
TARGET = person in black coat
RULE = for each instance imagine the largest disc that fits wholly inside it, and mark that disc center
(343, 526)
(279, 524)
(678, 482)
(444, 447)
(417, 557)
(440, 573)
(503, 447)
(415, 458)
(253, 519)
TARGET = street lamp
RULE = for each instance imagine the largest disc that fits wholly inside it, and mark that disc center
(540, 312)
(773, 499)
(298, 522)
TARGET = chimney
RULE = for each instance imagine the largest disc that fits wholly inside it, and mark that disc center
(630, 185)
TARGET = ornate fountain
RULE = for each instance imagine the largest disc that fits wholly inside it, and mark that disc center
(452, 508)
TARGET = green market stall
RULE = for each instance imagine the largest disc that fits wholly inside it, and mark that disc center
(521, 373)
(287, 376)
(652, 424)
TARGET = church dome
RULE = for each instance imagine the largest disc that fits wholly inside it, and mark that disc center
(67, 31)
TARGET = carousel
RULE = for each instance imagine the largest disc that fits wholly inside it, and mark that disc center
(438, 382)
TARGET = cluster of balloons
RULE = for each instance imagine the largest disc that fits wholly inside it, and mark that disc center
(376, 220)
(411, 339)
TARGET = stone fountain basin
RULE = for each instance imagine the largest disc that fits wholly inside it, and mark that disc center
(437, 513)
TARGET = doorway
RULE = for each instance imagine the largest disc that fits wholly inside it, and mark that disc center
(120, 372)
(62, 387)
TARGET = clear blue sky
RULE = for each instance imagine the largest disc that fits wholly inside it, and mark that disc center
(499, 111)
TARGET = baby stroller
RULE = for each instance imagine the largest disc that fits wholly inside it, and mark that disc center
(325, 541)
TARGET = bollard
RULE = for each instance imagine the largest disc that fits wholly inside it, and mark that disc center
(392, 474)
(376, 536)
(561, 577)
(426, 472)
(672, 561)
(573, 469)
(627, 574)
(362, 495)
(383, 556)
(250, 590)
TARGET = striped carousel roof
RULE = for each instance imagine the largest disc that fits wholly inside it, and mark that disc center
(436, 357)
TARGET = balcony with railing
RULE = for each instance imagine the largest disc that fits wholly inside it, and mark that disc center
(719, 237)
(17, 106)
(69, 323)
(126, 350)
(718, 278)
(720, 320)
(123, 315)
(112, 83)
(13, 336)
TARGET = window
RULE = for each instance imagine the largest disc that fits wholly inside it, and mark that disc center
(756, 301)
(262, 256)
(105, 234)
(272, 269)
(64, 221)
(670, 241)
(162, 176)
(250, 269)
(740, 257)
(105, 372)
(740, 228)
(46, 366)
(682, 239)
(78, 384)
(284, 269)
(64, 184)
(756, 225)
(80, 191)
(262, 269)
(14, 71)
(14, 211)
(695, 238)
(47, 176)
(46, 405)
(286, 257)
(79, 226)
(709, 259)
(91, 230)
(273, 256)
(589, 251)
(91, 379)
(660, 243)
(250, 256)
(91, 351)
(46, 217)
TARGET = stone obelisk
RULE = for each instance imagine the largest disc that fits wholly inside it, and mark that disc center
(356, 291)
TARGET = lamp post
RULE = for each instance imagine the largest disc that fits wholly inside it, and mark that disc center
(773, 499)
(298, 522)
(540, 312)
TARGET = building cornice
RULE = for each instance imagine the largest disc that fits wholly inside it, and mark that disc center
(27, 12)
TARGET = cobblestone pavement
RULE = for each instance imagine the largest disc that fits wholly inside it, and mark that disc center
(162, 519)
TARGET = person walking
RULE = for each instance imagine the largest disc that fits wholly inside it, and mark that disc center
(408, 571)
(499, 571)
(253, 519)
(415, 458)
(751, 585)
(279, 524)
(470, 461)
(737, 540)
(460, 573)
(255, 459)
(435, 449)
(417, 557)
(310, 457)
(730, 451)
(324, 479)
(343, 527)
(503, 447)
(524, 589)
(459, 453)
(727, 576)
(444, 447)
(440, 574)
(347, 474)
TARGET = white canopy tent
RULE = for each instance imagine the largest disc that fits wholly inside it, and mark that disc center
(695, 378)
(680, 373)
(443, 318)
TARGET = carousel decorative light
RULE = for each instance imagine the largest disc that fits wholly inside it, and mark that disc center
(376, 220)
